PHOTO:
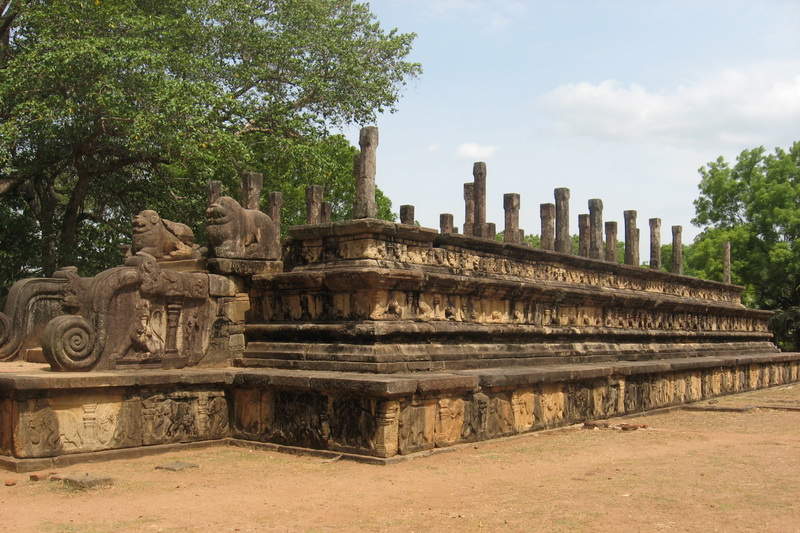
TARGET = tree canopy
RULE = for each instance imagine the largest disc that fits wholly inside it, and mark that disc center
(110, 107)
(754, 204)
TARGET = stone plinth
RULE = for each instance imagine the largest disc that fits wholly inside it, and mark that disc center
(52, 421)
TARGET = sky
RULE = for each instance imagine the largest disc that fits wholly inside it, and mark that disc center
(618, 100)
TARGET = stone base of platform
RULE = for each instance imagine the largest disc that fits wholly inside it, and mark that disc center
(46, 415)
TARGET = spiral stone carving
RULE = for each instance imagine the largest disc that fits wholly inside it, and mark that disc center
(68, 343)
(5, 332)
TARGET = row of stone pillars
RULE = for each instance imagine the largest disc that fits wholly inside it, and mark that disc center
(555, 233)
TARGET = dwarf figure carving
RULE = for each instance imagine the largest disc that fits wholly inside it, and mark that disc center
(234, 232)
(164, 240)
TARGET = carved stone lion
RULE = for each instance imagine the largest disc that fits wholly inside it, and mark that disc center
(164, 240)
(237, 233)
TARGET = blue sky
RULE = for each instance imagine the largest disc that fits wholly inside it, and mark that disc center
(617, 100)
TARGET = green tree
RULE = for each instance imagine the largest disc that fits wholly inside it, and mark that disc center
(754, 204)
(109, 107)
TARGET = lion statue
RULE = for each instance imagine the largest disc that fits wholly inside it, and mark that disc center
(164, 240)
(234, 232)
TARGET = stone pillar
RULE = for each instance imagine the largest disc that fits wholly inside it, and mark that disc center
(313, 203)
(655, 243)
(726, 262)
(446, 223)
(407, 215)
(563, 239)
(611, 242)
(325, 212)
(596, 228)
(274, 204)
(522, 237)
(252, 182)
(677, 250)
(366, 207)
(511, 207)
(547, 212)
(213, 192)
(584, 239)
(631, 241)
(490, 230)
(479, 173)
(469, 204)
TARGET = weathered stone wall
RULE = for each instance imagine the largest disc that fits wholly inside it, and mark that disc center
(335, 413)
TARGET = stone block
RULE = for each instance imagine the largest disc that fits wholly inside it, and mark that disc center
(72, 424)
(298, 419)
(236, 343)
(416, 427)
(248, 413)
(551, 404)
(499, 415)
(681, 393)
(449, 421)
(225, 285)
(236, 308)
(579, 403)
(184, 416)
(353, 423)
(524, 402)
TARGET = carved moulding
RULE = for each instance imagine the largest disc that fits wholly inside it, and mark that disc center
(388, 245)
(137, 315)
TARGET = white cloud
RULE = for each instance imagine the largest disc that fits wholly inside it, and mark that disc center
(746, 106)
(475, 151)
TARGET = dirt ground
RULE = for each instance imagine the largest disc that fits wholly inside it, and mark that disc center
(687, 471)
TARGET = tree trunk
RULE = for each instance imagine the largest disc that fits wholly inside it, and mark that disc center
(45, 211)
(69, 225)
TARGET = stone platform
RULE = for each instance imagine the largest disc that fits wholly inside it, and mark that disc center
(374, 296)
(51, 418)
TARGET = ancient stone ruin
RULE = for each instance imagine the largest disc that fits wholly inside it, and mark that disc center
(364, 337)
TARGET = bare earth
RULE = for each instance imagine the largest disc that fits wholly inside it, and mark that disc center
(687, 471)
